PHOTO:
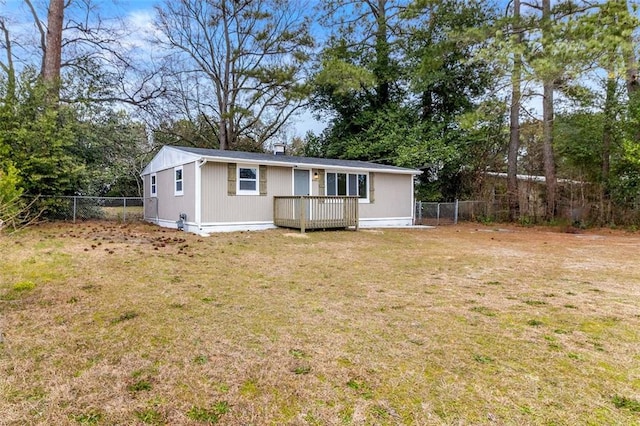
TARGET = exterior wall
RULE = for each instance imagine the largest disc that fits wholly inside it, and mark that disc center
(170, 206)
(393, 198)
(392, 204)
(219, 207)
(315, 183)
(150, 203)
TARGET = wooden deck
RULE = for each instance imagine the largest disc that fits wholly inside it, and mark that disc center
(315, 212)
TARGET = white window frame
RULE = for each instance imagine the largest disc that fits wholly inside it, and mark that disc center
(257, 180)
(361, 199)
(177, 192)
(153, 185)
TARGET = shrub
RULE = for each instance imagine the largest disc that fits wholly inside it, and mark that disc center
(11, 205)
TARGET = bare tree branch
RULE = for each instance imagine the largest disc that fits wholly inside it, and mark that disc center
(247, 59)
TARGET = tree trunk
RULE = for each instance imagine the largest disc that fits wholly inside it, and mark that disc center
(222, 134)
(547, 149)
(631, 64)
(53, 52)
(632, 72)
(609, 119)
(547, 120)
(381, 69)
(514, 120)
(224, 82)
(8, 68)
(607, 141)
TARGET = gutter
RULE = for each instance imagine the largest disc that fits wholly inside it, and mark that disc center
(310, 165)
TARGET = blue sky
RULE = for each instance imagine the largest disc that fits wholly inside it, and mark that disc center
(138, 16)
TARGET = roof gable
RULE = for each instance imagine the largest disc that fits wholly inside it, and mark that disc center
(167, 158)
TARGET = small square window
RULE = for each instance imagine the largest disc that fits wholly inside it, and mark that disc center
(248, 180)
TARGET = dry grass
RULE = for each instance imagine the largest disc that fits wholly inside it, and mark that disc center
(111, 324)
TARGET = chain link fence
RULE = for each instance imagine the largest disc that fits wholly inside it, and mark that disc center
(430, 213)
(74, 208)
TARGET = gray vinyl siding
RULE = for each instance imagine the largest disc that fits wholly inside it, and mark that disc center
(220, 207)
(169, 205)
(393, 197)
(149, 202)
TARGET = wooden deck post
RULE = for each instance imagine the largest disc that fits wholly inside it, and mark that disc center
(357, 215)
(303, 214)
(275, 211)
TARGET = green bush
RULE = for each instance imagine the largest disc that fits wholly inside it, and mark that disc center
(11, 204)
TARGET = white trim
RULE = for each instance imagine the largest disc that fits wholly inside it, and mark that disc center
(206, 228)
(293, 180)
(198, 185)
(385, 222)
(175, 181)
(248, 191)
(304, 165)
(188, 226)
(211, 227)
(413, 200)
(153, 185)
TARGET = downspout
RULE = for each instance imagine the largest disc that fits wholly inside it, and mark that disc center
(198, 206)
(413, 201)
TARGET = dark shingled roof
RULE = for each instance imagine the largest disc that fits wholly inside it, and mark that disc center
(290, 159)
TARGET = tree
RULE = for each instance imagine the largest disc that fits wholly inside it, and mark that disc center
(40, 140)
(84, 57)
(549, 75)
(395, 80)
(514, 115)
(609, 28)
(7, 66)
(11, 204)
(56, 122)
(114, 150)
(544, 49)
(237, 64)
(52, 61)
(196, 132)
(388, 53)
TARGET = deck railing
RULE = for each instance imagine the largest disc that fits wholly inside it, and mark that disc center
(315, 212)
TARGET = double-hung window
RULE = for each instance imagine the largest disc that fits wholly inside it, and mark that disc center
(178, 181)
(351, 184)
(248, 180)
(154, 185)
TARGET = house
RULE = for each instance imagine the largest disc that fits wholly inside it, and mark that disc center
(209, 190)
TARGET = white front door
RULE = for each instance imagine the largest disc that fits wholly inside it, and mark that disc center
(301, 182)
(302, 186)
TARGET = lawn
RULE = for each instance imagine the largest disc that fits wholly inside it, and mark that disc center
(104, 323)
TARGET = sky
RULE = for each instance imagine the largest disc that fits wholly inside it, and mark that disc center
(138, 15)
